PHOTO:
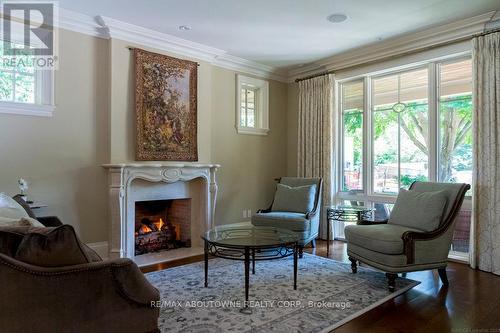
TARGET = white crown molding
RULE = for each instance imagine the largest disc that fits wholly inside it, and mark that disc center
(106, 27)
(154, 39)
(411, 42)
(81, 23)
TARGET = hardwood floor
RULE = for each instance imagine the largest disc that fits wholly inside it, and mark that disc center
(471, 303)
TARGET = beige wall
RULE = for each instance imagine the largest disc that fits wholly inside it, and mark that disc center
(249, 162)
(61, 156)
(93, 124)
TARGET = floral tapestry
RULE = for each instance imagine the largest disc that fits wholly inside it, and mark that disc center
(165, 103)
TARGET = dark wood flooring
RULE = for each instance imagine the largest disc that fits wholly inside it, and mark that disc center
(471, 303)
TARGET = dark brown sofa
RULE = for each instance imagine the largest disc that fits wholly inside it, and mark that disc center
(96, 296)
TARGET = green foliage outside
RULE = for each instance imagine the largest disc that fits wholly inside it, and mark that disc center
(455, 122)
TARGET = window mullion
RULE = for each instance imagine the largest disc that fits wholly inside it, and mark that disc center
(367, 138)
(433, 115)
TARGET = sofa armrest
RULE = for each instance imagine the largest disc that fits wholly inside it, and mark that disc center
(50, 221)
(106, 296)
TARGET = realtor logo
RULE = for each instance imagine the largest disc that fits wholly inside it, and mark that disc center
(28, 28)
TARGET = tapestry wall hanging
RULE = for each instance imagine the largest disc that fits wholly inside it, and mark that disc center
(165, 104)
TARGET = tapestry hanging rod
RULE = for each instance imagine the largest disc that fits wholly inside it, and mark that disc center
(133, 48)
(461, 39)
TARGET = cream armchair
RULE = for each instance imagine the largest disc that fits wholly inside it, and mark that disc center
(397, 248)
(304, 223)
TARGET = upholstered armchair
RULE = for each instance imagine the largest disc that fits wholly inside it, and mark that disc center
(296, 206)
(417, 236)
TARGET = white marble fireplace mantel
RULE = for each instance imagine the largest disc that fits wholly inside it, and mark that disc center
(131, 182)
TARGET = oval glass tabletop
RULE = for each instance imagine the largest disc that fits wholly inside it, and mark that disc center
(249, 236)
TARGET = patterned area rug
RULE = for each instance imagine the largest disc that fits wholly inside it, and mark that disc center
(328, 295)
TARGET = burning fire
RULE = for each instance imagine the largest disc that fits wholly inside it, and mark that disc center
(159, 224)
(144, 229)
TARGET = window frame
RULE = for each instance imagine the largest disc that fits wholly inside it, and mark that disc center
(261, 110)
(43, 105)
(367, 194)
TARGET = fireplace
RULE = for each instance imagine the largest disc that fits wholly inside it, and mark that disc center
(162, 225)
(173, 187)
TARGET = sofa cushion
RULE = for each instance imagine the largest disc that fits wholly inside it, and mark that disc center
(298, 199)
(383, 238)
(10, 208)
(53, 247)
(285, 220)
(419, 210)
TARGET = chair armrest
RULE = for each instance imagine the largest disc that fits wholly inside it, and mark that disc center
(410, 237)
(50, 221)
(369, 222)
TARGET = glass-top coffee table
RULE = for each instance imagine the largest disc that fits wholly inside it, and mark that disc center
(250, 243)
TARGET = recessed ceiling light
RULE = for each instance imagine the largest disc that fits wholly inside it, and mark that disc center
(184, 27)
(337, 18)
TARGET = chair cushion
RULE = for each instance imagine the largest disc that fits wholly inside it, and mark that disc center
(419, 210)
(53, 247)
(285, 220)
(383, 238)
(298, 199)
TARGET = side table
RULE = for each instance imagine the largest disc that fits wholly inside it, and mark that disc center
(345, 214)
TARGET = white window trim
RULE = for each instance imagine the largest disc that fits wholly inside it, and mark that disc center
(262, 105)
(44, 93)
(44, 98)
(367, 194)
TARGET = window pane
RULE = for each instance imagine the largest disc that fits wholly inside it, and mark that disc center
(25, 89)
(352, 122)
(385, 152)
(6, 86)
(243, 117)
(455, 116)
(250, 117)
(400, 130)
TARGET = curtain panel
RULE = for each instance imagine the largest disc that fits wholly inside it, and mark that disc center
(315, 136)
(486, 129)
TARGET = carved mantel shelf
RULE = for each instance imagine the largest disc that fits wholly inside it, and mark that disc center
(123, 194)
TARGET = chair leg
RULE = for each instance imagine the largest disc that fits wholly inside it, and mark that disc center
(391, 277)
(301, 251)
(354, 266)
(313, 243)
(443, 276)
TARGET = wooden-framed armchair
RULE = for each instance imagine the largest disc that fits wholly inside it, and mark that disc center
(303, 221)
(395, 248)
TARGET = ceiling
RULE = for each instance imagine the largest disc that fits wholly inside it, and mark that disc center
(283, 33)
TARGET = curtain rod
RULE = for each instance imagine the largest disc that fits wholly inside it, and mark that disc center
(133, 48)
(461, 39)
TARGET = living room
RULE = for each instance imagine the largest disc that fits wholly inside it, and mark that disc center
(157, 156)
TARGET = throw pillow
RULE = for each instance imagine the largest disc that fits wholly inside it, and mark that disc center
(419, 210)
(53, 247)
(294, 199)
(10, 208)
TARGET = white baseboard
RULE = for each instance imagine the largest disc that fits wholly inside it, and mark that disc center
(101, 248)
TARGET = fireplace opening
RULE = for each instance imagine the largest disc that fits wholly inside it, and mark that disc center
(162, 225)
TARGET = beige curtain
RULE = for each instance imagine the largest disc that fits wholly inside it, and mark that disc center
(486, 58)
(315, 136)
